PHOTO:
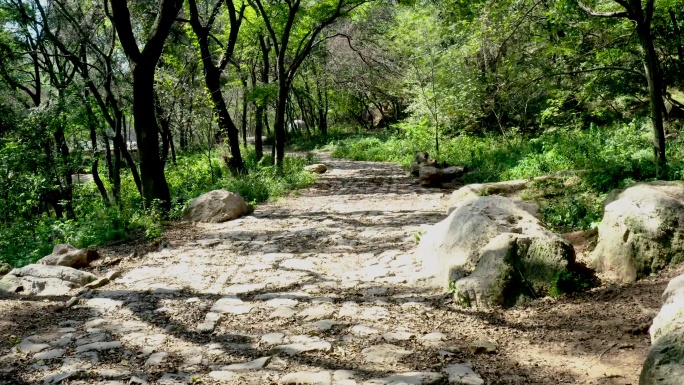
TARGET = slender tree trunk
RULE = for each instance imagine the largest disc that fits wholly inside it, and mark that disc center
(680, 48)
(173, 148)
(655, 90)
(245, 104)
(93, 142)
(68, 187)
(154, 185)
(212, 77)
(283, 91)
(98, 182)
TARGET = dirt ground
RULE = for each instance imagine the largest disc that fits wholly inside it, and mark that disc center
(340, 252)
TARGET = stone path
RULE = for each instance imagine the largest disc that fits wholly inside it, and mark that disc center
(320, 288)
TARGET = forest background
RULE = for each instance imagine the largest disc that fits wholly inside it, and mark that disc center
(153, 103)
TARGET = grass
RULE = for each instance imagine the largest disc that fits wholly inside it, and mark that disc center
(601, 159)
(24, 242)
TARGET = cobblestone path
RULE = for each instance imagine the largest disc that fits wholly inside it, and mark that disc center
(319, 288)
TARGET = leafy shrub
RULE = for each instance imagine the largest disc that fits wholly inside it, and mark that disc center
(24, 242)
(577, 280)
(604, 158)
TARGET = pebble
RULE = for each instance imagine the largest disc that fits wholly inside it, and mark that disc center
(251, 365)
(384, 354)
(49, 355)
(412, 378)
(307, 378)
(463, 375)
(99, 346)
(156, 358)
(272, 338)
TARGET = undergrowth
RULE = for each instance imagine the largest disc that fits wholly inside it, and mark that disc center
(601, 159)
(23, 242)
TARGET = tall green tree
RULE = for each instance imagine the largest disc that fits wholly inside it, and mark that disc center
(641, 13)
(295, 28)
(144, 63)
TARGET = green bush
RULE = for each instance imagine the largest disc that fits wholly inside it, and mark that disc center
(24, 242)
(577, 280)
(604, 158)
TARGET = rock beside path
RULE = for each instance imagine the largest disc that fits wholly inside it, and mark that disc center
(45, 280)
(492, 252)
(67, 255)
(215, 207)
(412, 378)
(641, 231)
(316, 168)
(430, 173)
(665, 362)
(5, 268)
(462, 374)
(510, 189)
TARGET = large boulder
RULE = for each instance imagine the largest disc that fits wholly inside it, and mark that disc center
(510, 189)
(4, 269)
(215, 207)
(428, 175)
(490, 252)
(45, 280)
(665, 362)
(316, 168)
(641, 231)
(421, 159)
(67, 255)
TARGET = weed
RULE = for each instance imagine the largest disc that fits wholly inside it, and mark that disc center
(572, 281)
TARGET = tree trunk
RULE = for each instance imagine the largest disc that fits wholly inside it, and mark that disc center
(243, 123)
(212, 77)
(283, 90)
(154, 185)
(655, 91)
(98, 182)
(680, 48)
(66, 190)
(259, 132)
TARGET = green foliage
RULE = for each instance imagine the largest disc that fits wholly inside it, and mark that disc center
(599, 159)
(24, 241)
(572, 281)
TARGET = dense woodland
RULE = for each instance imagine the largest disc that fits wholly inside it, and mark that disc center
(157, 99)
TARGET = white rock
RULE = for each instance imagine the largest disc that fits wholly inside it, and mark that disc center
(223, 375)
(318, 168)
(412, 378)
(363, 330)
(156, 358)
(384, 354)
(462, 374)
(398, 336)
(272, 338)
(49, 355)
(307, 378)
(215, 207)
(99, 346)
(251, 365)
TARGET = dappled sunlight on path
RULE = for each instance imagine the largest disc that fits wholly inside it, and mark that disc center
(322, 288)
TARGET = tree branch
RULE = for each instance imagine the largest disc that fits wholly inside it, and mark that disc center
(122, 21)
(596, 69)
(615, 14)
